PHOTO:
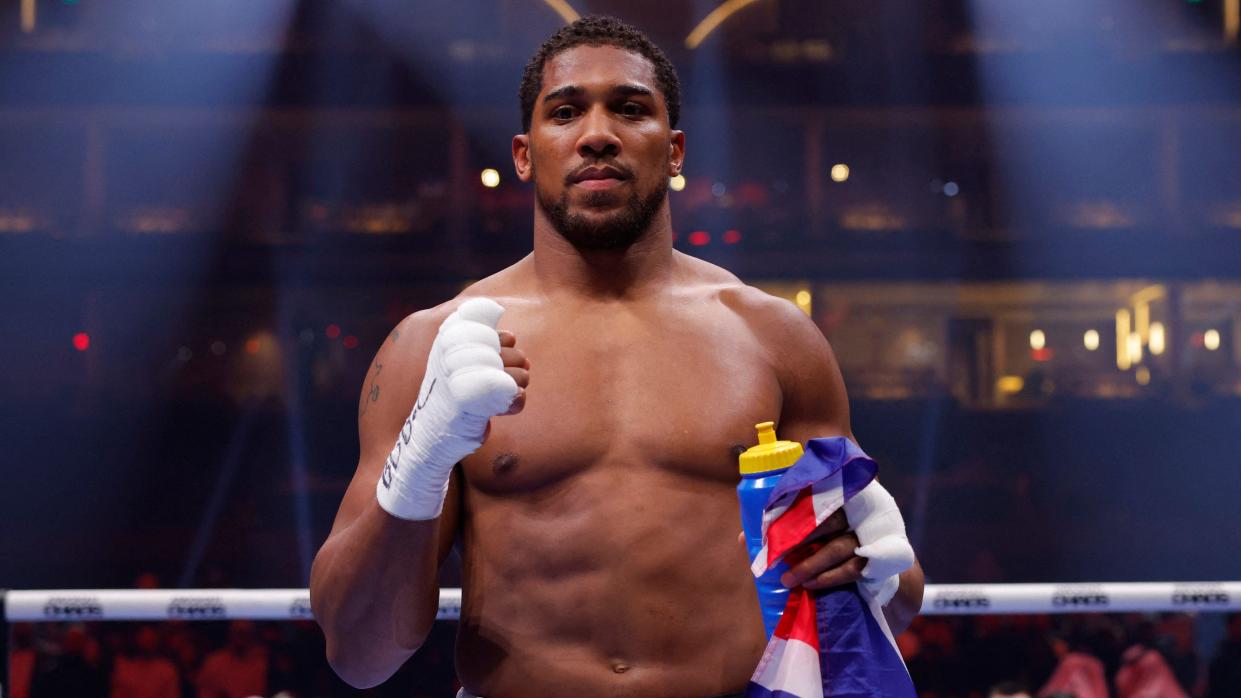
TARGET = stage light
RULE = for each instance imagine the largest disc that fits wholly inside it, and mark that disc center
(719, 189)
(732, 237)
(332, 331)
(803, 299)
(253, 345)
(81, 341)
(1134, 345)
(218, 348)
(1091, 340)
(1010, 385)
(350, 342)
(1122, 339)
(1038, 339)
(699, 238)
(490, 178)
(1143, 375)
(1210, 340)
(951, 189)
(564, 9)
(1158, 339)
(677, 183)
(840, 172)
(713, 20)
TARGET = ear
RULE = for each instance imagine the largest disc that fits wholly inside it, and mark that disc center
(676, 153)
(521, 157)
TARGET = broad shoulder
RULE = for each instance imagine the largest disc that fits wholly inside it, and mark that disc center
(769, 315)
(402, 358)
(502, 287)
(512, 285)
(814, 401)
(417, 330)
(776, 322)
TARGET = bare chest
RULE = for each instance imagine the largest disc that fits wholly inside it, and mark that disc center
(678, 392)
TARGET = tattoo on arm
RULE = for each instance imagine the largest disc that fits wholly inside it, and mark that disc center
(372, 393)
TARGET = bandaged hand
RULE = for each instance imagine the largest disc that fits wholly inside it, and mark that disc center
(880, 530)
(464, 386)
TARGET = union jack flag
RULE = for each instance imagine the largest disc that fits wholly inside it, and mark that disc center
(834, 643)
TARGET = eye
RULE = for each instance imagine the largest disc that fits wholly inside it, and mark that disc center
(562, 112)
(632, 109)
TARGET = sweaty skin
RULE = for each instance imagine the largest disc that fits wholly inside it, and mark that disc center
(598, 522)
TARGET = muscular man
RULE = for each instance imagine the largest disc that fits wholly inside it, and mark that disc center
(598, 520)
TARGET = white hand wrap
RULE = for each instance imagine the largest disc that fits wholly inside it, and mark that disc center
(465, 385)
(880, 530)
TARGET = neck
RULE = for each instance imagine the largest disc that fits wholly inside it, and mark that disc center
(560, 267)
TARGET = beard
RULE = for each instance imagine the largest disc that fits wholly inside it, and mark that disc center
(616, 231)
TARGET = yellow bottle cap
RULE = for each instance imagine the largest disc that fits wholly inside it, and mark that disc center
(769, 454)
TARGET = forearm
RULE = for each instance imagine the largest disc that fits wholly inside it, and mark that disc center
(907, 601)
(374, 592)
(373, 584)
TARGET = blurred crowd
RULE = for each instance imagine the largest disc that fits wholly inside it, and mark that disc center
(1070, 656)
(165, 660)
(180, 659)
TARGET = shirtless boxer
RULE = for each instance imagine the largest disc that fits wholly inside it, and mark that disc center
(598, 520)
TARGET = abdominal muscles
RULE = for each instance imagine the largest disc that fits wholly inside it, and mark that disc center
(623, 577)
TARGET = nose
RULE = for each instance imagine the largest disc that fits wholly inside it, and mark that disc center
(597, 139)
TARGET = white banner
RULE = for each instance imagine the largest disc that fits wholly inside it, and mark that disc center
(294, 604)
(1111, 597)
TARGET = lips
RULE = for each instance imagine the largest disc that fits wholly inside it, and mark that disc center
(600, 175)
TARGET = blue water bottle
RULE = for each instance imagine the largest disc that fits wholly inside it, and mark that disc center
(761, 468)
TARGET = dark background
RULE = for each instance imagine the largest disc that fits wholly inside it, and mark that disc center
(236, 201)
(211, 215)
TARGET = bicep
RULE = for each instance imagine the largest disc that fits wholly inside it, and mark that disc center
(388, 393)
(814, 401)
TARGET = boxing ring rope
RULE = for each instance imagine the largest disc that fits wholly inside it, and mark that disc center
(294, 604)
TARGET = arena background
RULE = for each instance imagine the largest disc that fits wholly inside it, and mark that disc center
(1019, 224)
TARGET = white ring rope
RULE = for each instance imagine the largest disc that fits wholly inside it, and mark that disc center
(294, 604)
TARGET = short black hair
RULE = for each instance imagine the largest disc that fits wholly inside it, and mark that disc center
(598, 30)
